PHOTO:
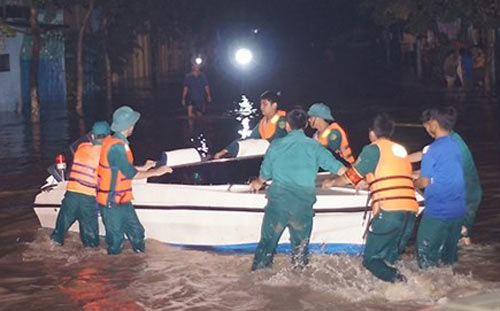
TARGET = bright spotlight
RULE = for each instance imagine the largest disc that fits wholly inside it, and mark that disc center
(243, 56)
(198, 60)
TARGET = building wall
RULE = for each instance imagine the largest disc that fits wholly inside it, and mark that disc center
(10, 81)
(171, 61)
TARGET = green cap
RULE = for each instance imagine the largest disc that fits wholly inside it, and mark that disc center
(320, 110)
(124, 118)
(101, 128)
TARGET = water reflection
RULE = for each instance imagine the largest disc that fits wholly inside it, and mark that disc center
(245, 112)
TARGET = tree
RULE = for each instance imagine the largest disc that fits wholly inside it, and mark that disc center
(35, 59)
(79, 57)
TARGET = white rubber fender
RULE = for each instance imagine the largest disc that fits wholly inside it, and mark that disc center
(252, 147)
(182, 156)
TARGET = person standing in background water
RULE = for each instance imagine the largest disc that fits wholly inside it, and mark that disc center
(195, 92)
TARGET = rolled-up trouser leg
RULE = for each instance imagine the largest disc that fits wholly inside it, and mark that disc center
(449, 255)
(87, 219)
(381, 243)
(300, 232)
(133, 229)
(273, 225)
(113, 222)
(66, 217)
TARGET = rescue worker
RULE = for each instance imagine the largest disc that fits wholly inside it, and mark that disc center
(473, 191)
(387, 169)
(195, 92)
(329, 132)
(292, 162)
(271, 126)
(442, 176)
(114, 193)
(79, 201)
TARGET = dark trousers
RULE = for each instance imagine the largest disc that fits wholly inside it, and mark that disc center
(121, 220)
(386, 240)
(437, 241)
(81, 207)
(298, 220)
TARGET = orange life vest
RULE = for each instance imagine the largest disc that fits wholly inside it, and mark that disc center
(122, 191)
(268, 128)
(83, 174)
(391, 186)
(345, 150)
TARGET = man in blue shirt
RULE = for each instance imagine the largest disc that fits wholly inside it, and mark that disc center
(443, 179)
(292, 162)
(195, 92)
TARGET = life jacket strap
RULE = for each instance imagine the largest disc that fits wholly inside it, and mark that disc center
(82, 173)
(372, 193)
(389, 178)
(85, 165)
(83, 183)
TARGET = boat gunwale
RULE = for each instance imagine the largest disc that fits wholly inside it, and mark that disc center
(354, 209)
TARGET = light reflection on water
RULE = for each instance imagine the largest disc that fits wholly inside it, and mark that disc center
(245, 112)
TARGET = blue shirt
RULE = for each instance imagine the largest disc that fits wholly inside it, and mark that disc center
(196, 86)
(292, 162)
(445, 194)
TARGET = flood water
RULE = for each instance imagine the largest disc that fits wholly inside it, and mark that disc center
(38, 275)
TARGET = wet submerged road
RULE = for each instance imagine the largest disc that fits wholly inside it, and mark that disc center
(38, 275)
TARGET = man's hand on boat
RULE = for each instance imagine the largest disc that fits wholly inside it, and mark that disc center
(257, 184)
(163, 170)
(220, 154)
(153, 172)
(362, 185)
(149, 164)
(338, 181)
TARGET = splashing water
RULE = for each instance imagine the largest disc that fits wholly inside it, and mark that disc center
(168, 278)
(200, 143)
(244, 113)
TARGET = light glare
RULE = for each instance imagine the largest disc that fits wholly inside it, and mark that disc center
(244, 56)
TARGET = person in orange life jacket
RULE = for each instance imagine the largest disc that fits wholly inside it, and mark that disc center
(114, 193)
(271, 126)
(442, 176)
(79, 200)
(329, 132)
(387, 169)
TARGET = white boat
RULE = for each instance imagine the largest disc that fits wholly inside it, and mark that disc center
(226, 218)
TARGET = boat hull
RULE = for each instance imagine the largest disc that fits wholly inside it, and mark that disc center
(226, 218)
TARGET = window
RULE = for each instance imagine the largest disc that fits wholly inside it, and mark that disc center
(4, 62)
